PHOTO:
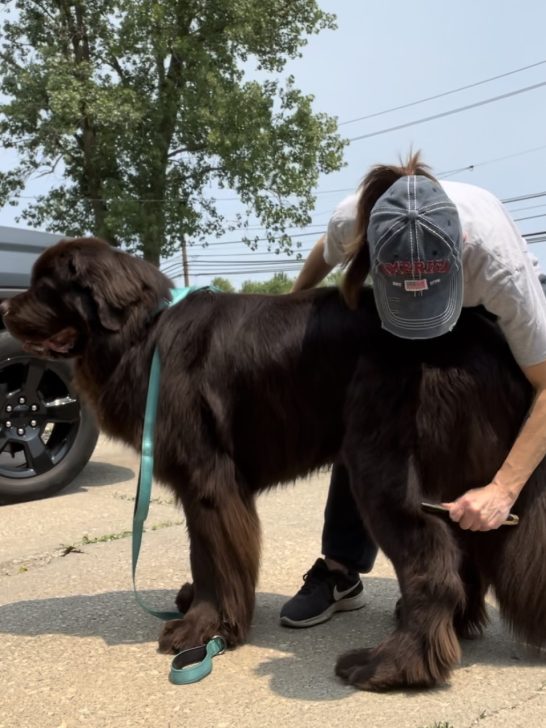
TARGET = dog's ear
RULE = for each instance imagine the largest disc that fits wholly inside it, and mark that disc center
(115, 280)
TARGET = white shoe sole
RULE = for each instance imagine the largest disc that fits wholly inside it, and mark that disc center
(344, 605)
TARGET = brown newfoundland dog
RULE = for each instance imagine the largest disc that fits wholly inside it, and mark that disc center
(259, 390)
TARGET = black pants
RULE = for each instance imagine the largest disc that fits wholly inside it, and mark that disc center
(344, 537)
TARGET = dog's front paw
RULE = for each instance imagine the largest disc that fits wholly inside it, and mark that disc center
(198, 626)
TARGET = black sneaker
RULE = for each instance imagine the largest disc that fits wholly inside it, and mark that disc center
(323, 593)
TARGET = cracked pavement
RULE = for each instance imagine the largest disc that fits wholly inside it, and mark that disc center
(77, 650)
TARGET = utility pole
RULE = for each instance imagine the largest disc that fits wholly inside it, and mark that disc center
(185, 264)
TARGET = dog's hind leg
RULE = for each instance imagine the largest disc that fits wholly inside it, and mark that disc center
(471, 617)
(424, 647)
(224, 533)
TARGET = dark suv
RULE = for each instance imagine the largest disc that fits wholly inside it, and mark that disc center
(46, 434)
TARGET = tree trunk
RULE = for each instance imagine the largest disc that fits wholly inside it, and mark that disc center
(91, 179)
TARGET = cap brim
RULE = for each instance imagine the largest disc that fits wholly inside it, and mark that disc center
(419, 315)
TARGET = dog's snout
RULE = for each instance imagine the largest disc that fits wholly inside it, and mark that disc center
(4, 308)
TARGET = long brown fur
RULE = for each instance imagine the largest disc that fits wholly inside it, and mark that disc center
(258, 390)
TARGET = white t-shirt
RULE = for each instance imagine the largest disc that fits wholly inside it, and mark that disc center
(500, 273)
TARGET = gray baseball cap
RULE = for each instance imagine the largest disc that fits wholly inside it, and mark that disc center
(415, 242)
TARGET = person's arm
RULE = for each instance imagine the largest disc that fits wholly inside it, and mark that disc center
(482, 509)
(314, 269)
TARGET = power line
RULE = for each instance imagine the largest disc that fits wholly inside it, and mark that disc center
(450, 172)
(317, 234)
(440, 175)
(248, 272)
(283, 265)
(508, 200)
(156, 199)
(443, 175)
(258, 240)
(470, 167)
(289, 259)
(441, 95)
(529, 207)
(448, 113)
(529, 217)
(238, 255)
(243, 263)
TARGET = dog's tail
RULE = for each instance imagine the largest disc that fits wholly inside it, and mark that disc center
(519, 571)
(375, 183)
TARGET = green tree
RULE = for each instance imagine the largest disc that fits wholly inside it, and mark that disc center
(279, 283)
(223, 284)
(144, 105)
(334, 278)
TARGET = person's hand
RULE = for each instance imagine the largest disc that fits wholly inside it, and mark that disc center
(481, 509)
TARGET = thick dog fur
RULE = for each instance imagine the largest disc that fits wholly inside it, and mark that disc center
(258, 390)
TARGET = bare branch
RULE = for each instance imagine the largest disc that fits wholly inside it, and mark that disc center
(113, 62)
(40, 5)
(51, 170)
(8, 59)
(191, 149)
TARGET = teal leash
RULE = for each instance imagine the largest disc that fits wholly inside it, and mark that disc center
(195, 663)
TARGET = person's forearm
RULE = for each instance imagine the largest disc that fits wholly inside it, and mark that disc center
(314, 269)
(527, 451)
(482, 509)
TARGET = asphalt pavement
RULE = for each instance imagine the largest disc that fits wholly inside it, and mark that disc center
(76, 649)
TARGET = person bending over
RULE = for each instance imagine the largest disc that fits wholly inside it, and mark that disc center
(430, 248)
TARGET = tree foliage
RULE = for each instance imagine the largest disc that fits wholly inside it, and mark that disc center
(334, 278)
(279, 283)
(223, 284)
(144, 106)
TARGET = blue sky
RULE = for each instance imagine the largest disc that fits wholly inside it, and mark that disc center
(393, 53)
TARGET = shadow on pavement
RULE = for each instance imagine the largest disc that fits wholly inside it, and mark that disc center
(308, 656)
(96, 474)
(92, 476)
(313, 652)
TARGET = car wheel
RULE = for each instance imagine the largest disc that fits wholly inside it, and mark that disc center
(46, 434)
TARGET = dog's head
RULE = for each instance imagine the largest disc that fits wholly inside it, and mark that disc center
(82, 288)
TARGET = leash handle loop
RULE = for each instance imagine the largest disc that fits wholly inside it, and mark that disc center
(192, 665)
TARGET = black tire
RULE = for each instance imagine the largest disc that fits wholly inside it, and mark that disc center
(46, 434)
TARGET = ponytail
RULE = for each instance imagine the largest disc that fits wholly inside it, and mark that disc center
(375, 183)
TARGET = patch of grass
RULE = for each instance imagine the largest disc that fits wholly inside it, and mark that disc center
(107, 537)
(166, 524)
(104, 539)
(86, 541)
(159, 500)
